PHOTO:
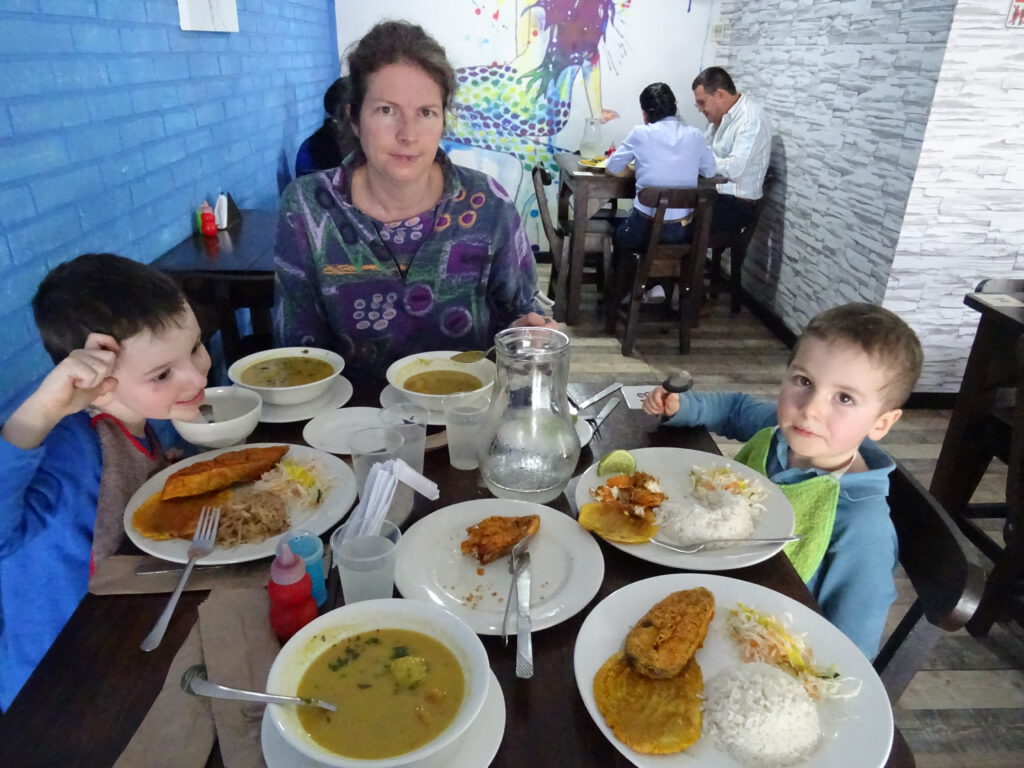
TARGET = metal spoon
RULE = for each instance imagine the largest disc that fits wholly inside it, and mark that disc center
(678, 382)
(470, 355)
(194, 681)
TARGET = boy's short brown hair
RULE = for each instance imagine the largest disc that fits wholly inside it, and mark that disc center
(883, 336)
(103, 293)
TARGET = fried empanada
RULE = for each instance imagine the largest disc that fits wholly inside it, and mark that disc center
(222, 472)
(494, 537)
(668, 635)
(655, 717)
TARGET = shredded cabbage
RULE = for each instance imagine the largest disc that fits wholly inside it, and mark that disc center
(762, 637)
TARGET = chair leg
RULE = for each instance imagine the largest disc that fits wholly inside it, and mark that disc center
(605, 263)
(612, 292)
(633, 312)
(736, 257)
(716, 272)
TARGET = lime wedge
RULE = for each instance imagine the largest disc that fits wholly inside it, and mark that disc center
(618, 462)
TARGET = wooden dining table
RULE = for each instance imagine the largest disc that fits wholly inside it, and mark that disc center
(94, 686)
(581, 192)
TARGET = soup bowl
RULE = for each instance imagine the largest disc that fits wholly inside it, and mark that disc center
(316, 637)
(236, 412)
(288, 395)
(400, 371)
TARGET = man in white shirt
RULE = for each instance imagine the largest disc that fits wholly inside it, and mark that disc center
(741, 138)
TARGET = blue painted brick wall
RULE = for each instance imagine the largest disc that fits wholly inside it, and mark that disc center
(115, 125)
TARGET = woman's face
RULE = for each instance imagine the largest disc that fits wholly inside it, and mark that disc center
(400, 122)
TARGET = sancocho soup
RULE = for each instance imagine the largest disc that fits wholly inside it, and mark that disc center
(442, 382)
(395, 690)
(286, 372)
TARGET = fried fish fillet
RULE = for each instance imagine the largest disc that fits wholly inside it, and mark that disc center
(655, 717)
(222, 472)
(668, 635)
(494, 537)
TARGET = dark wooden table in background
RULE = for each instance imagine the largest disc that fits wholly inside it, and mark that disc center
(94, 687)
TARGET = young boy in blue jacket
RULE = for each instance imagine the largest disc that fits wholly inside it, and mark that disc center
(850, 371)
(126, 348)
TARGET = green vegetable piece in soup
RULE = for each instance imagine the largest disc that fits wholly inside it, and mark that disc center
(395, 689)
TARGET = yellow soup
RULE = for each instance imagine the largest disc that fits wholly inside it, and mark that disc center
(286, 372)
(395, 690)
(442, 382)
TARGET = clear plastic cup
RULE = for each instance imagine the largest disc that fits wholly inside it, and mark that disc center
(372, 446)
(366, 564)
(411, 422)
(464, 417)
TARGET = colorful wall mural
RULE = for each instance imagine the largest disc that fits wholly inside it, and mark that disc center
(530, 72)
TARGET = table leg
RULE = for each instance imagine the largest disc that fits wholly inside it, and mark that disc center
(577, 246)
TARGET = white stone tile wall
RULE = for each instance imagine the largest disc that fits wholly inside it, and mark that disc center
(848, 85)
(965, 215)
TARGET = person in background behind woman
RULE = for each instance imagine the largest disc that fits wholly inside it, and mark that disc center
(399, 251)
(667, 153)
(333, 140)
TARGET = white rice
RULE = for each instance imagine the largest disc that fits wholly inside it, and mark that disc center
(761, 715)
(729, 509)
(688, 524)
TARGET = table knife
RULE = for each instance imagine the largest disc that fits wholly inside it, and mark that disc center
(599, 396)
(524, 646)
(605, 412)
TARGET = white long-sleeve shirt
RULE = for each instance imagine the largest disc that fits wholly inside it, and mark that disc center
(742, 144)
(667, 154)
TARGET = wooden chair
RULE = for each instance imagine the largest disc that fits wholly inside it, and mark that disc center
(1001, 434)
(736, 243)
(600, 230)
(948, 587)
(681, 261)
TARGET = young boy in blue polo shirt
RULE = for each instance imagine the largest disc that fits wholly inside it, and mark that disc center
(126, 348)
(850, 371)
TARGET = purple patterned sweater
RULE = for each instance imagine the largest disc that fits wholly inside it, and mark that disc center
(449, 278)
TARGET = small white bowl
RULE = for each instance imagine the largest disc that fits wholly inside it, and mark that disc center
(401, 370)
(314, 638)
(288, 395)
(236, 412)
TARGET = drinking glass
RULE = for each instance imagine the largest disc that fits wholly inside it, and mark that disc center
(464, 418)
(372, 446)
(366, 564)
(410, 420)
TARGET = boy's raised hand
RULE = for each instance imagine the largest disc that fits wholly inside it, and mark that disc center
(81, 378)
(660, 402)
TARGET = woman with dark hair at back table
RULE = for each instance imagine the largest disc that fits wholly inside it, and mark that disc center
(333, 140)
(666, 153)
(398, 250)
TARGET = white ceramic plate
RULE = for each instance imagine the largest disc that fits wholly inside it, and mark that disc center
(331, 431)
(567, 566)
(584, 431)
(475, 748)
(333, 507)
(858, 731)
(672, 468)
(336, 396)
(390, 396)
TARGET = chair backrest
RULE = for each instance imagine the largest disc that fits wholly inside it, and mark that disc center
(1000, 285)
(948, 587)
(662, 259)
(554, 234)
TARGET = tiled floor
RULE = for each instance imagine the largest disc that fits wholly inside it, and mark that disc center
(965, 709)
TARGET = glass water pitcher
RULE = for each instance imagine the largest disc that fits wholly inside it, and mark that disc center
(530, 447)
(592, 147)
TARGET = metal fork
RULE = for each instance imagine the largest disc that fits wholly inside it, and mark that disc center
(202, 545)
(690, 549)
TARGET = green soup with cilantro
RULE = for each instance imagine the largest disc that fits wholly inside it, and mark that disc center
(395, 690)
